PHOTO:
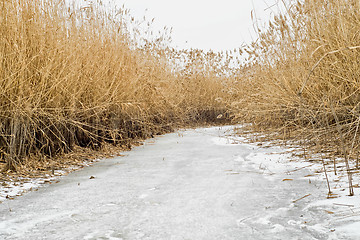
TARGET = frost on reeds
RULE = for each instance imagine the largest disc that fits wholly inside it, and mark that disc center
(82, 75)
(303, 76)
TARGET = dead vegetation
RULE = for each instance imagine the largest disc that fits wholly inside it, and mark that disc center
(81, 76)
(303, 75)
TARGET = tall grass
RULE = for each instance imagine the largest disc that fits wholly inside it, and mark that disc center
(303, 75)
(81, 76)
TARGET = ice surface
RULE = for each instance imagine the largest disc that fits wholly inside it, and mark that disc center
(194, 184)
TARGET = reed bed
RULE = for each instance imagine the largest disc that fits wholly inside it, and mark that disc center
(81, 76)
(302, 77)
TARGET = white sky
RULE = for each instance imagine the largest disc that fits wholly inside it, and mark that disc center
(203, 24)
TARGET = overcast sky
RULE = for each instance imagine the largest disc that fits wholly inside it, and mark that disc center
(204, 24)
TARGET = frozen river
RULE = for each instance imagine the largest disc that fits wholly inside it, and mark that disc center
(194, 184)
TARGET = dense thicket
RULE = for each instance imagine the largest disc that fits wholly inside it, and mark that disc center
(84, 75)
(303, 75)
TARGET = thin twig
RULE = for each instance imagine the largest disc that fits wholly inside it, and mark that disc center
(301, 198)
(351, 189)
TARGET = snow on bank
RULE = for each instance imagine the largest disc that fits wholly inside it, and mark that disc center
(342, 210)
(17, 186)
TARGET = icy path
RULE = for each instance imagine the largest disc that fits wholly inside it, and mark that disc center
(191, 185)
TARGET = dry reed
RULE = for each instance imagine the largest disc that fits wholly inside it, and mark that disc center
(81, 76)
(302, 76)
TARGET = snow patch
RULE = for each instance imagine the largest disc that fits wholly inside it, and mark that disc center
(109, 235)
(277, 228)
(351, 229)
(224, 141)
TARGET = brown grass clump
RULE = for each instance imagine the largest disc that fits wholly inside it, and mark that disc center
(81, 76)
(302, 77)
